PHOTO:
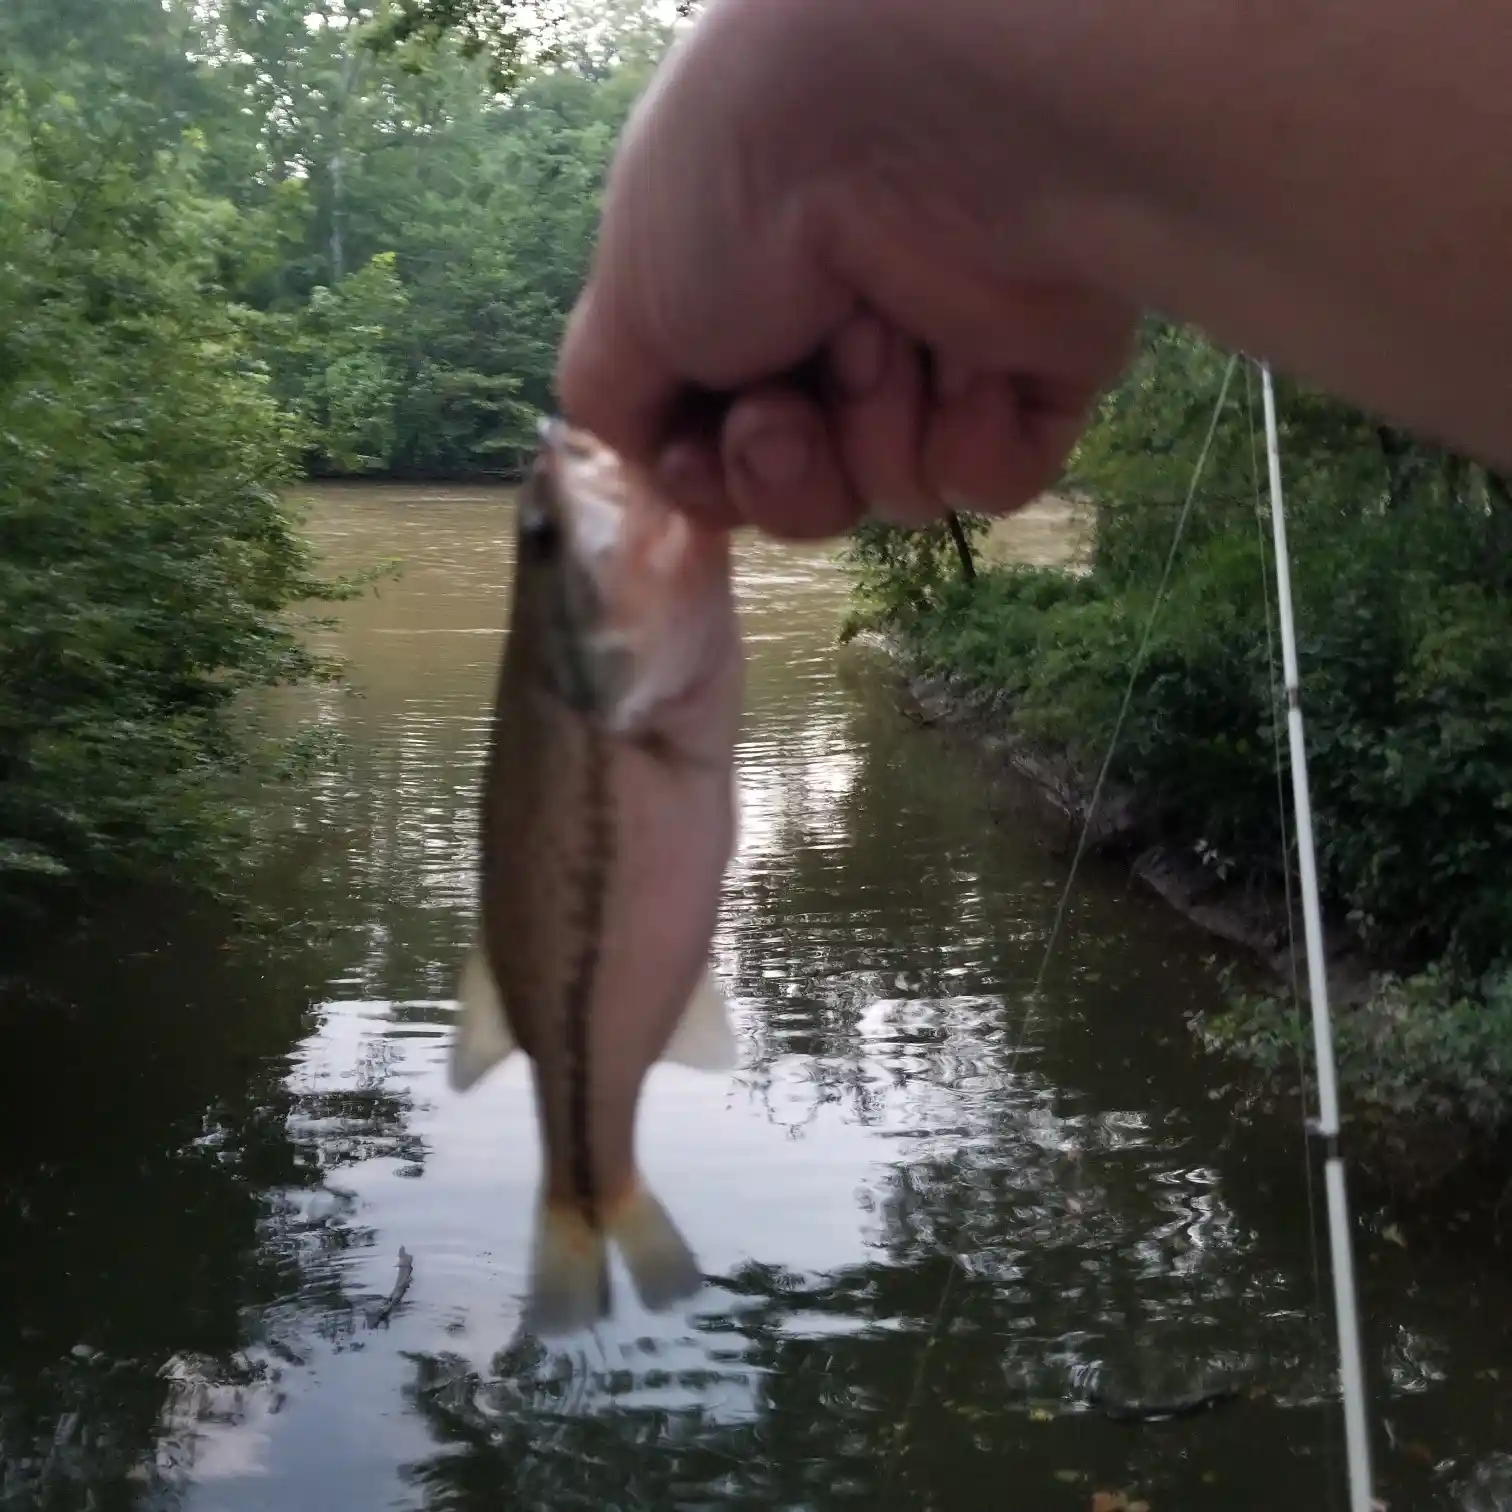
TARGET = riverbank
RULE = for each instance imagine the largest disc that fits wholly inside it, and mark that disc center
(1057, 533)
(1254, 918)
(1419, 1129)
(1029, 661)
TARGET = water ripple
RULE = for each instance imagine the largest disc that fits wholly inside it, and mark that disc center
(930, 1218)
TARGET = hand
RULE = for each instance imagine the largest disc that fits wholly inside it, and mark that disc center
(841, 187)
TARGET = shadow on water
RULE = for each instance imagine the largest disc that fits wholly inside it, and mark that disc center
(155, 1198)
(931, 1219)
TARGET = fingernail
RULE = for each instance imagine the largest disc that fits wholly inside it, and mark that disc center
(777, 457)
(857, 356)
(689, 475)
(898, 511)
(952, 377)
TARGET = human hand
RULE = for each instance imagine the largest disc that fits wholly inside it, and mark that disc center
(840, 189)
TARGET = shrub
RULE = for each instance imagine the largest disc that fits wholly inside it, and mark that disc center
(1421, 1049)
(1402, 566)
(146, 557)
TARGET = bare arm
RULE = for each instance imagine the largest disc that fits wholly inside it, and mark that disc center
(1002, 183)
(1328, 184)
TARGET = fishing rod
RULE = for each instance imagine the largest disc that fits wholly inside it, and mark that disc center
(1325, 1127)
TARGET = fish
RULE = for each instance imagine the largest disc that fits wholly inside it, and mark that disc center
(607, 821)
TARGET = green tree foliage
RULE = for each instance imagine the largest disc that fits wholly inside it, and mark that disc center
(482, 206)
(1402, 566)
(239, 241)
(353, 390)
(486, 29)
(1402, 569)
(145, 555)
(493, 29)
(904, 576)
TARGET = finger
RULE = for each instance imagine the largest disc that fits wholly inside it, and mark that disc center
(781, 468)
(692, 470)
(993, 443)
(892, 250)
(1053, 415)
(609, 379)
(691, 475)
(878, 382)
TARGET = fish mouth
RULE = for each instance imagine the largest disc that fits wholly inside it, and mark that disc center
(540, 522)
(557, 436)
(541, 504)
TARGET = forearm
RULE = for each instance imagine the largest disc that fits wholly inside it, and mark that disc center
(1328, 184)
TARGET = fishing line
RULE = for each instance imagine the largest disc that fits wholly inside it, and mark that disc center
(916, 1390)
(1128, 698)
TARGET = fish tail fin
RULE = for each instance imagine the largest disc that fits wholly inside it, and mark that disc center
(569, 1282)
(661, 1265)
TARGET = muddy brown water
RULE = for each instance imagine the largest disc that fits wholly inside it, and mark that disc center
(932, 1219)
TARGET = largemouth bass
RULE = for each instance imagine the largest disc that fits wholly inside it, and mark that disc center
(608, 819)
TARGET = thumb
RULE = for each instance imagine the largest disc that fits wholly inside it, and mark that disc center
(610, 380)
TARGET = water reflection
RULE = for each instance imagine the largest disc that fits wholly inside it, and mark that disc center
(145, 1251)
(931, 1219)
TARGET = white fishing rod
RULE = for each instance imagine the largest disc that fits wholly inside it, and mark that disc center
(1326, 1126)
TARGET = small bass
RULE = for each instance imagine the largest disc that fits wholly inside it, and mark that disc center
(608, 819)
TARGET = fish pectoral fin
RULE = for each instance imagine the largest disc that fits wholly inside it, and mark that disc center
(483, 1038)
(704, 1038)
(662, 1268)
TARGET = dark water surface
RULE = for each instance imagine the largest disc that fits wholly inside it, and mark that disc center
(922, 1248)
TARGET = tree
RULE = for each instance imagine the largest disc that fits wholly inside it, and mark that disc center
(490, 30)
(242, 235)
(146, 557)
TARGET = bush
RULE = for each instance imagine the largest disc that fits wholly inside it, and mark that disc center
(1422, 1049)
(900, 574)
(1402, 566)
(146, 558)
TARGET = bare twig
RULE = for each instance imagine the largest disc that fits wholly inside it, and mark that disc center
(385, 1310)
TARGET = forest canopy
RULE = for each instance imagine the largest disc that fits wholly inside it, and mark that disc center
(241, 242)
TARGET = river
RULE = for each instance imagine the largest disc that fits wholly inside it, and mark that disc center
(931, 1217)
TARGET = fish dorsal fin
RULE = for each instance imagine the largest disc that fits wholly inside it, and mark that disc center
(704, 1038)
(483, 1038)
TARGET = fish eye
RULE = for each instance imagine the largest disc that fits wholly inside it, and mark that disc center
(540, 531)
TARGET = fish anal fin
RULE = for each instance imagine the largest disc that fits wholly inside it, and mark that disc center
(704, 1038)
(483, 1036)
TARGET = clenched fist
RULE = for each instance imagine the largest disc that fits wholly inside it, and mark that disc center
(881, 255)
(822, 185)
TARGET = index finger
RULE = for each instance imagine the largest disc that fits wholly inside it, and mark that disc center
(611, 381)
